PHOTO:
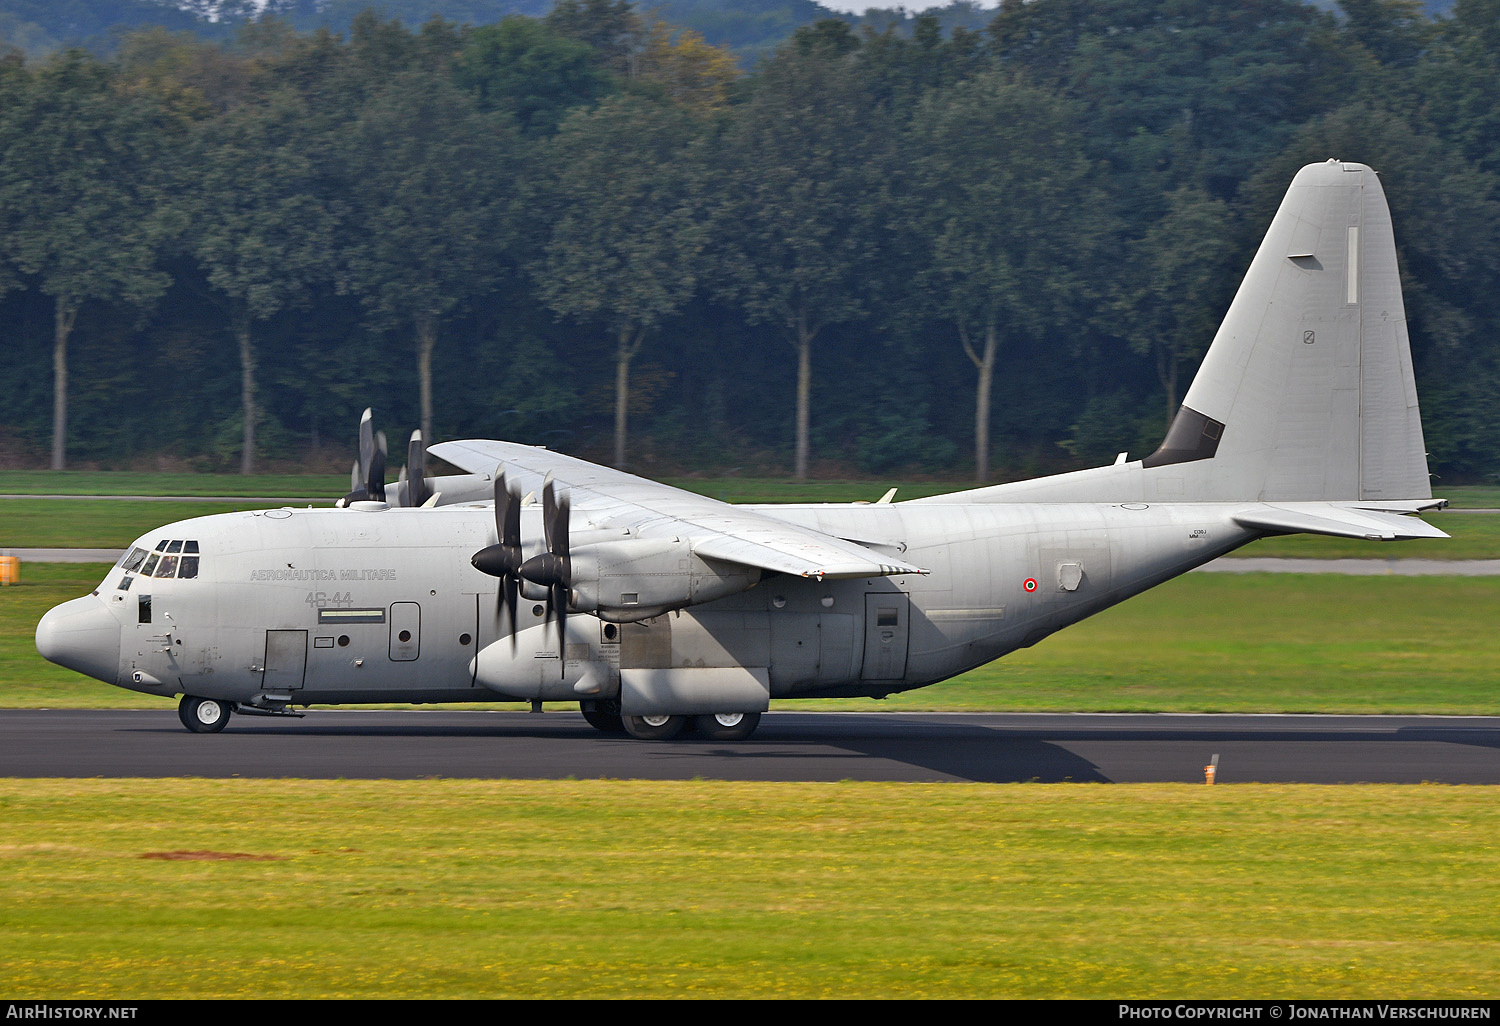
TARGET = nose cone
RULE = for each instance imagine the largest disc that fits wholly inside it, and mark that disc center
(83, 636)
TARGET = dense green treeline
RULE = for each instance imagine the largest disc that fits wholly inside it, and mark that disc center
(978, 253)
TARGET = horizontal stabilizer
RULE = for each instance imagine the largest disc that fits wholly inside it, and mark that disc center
(1337, 520)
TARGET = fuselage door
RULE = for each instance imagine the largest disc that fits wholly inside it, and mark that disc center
(887, 614)
(406, 631)
(286, 661)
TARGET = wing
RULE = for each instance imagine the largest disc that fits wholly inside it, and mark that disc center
(715, 530)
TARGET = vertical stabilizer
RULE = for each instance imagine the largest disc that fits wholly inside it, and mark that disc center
(1309, 378)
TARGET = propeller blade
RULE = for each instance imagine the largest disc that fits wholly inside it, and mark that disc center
(507, 525)
(549, 507)
(366, 446)
(510, 587)
(416, 457)
(559, 539)
(375, 485)
(558, 598)
(359, 477)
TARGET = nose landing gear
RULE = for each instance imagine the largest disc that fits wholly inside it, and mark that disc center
(203, 715)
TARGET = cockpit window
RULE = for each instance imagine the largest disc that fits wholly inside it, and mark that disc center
(132, 559)
(165, 561)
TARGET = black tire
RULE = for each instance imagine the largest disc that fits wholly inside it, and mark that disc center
(603, 716)
(203, 715)
(654, 728)
(727, 726)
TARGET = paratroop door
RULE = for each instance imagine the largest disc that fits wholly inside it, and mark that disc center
(286, 660)
(887, 614)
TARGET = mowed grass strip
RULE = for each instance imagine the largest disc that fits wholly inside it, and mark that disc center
(126, 482)
(650, 889)
(94, 523)
(1201, 643)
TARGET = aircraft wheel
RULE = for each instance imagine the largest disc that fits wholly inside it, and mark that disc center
(603, 716)
(727, 726)
(654, 728)
(203, 715)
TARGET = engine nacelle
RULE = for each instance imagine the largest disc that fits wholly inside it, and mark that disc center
(533, 666)
(631, 579)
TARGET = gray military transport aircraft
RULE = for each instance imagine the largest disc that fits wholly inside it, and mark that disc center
(657, 609)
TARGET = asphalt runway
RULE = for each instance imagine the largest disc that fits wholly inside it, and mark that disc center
(806, 746)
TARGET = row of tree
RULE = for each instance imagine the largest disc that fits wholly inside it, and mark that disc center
(881, 249)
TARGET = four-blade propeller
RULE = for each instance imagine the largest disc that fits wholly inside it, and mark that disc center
(551, 569)
(367, 479)
(503, 559)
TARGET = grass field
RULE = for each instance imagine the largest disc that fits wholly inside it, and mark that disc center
(1204, 642)
(472, 889)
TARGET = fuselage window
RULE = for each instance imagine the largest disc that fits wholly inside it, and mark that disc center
(143, 609)
(125, 582)
(351, 616)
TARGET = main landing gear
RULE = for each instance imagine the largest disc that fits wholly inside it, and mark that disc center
(605, 716)
(727, 726)
(203, 715)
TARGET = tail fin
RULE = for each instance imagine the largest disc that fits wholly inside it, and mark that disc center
(1310, 376)
(1307, 391)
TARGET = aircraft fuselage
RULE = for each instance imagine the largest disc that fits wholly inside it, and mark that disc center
(363, 605)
